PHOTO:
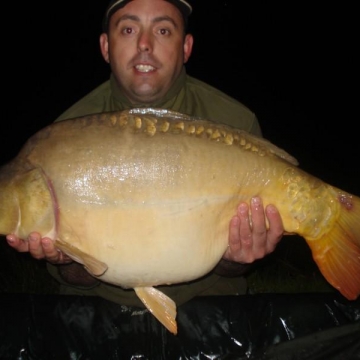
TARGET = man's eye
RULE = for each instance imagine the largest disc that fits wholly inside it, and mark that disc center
(164, 31)
(127, 30)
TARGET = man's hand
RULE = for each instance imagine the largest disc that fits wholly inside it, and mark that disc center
(249, 237)
(39, 248)
(44, 248)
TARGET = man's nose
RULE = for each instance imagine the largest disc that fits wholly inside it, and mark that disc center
(145, 42)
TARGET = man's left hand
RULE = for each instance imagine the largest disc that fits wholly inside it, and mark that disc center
(250, 238)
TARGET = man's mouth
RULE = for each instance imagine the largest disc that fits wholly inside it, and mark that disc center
(144, 68)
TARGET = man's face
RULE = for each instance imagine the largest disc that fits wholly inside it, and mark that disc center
(146, 49)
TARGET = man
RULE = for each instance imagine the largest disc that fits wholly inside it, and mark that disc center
(146, 45)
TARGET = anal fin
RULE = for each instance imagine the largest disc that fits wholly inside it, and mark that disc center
(92, 265)
(160, 305)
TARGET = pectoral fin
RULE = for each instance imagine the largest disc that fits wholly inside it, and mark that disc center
(92, 265)
(160, 305)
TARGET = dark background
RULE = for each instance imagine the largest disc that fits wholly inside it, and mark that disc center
(294, 65)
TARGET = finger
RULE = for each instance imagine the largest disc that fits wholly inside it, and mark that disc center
(234, 235)
(52, 254)
(276, 228)
(259, 231)
(234, 244)
(17, 244)
(35, 247)
(244, 253)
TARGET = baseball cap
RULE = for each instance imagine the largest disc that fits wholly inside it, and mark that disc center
(114, 5)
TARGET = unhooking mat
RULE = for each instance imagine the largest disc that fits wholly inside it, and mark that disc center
(251, 327)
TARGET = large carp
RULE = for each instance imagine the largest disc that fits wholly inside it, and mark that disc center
(143, 198)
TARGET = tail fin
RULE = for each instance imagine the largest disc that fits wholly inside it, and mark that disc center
(337, 253)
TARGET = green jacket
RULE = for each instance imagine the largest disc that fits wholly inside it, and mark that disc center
(189, 96)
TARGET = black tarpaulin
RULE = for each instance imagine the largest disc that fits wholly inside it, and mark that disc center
(259, 327)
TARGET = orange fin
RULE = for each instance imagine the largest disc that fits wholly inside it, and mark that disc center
(337, 253)
(92, 265)
(160, 305)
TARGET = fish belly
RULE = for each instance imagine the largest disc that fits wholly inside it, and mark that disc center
(152, 244)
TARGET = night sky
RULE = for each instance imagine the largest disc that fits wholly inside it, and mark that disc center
(294, 65)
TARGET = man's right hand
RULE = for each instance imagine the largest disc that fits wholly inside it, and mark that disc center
(39, 248)
(44, 248)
